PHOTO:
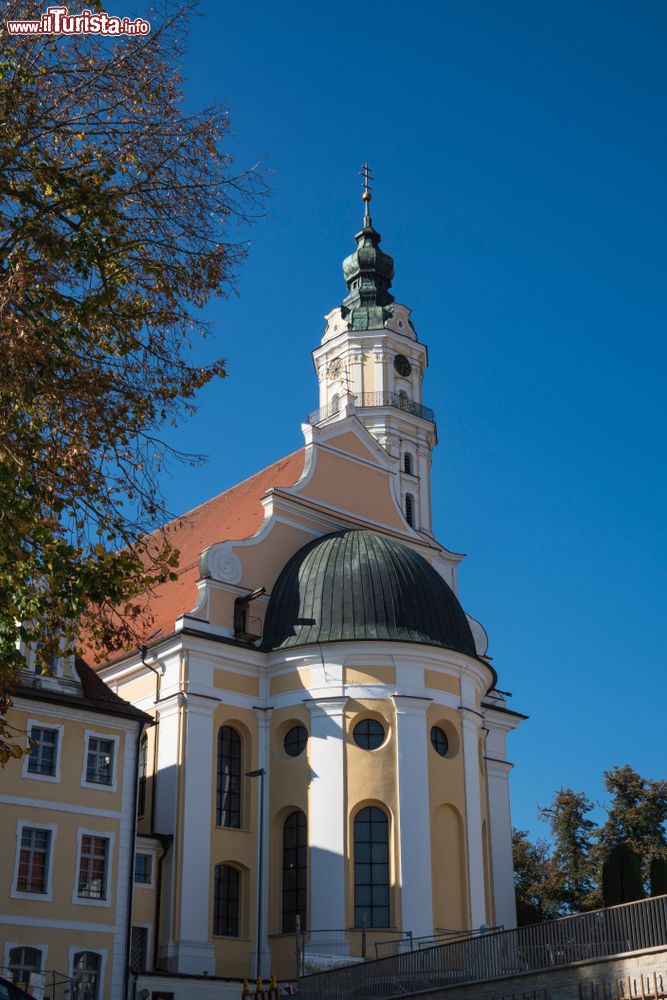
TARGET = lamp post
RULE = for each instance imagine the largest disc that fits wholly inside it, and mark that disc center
(259, 773)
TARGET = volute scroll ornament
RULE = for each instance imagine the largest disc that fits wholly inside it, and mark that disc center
(220, 562)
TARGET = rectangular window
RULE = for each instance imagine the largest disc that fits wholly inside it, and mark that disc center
(33, 860)
(99, 761)
(143, 868)
(139, 949)
(43, 750)
(93, 867)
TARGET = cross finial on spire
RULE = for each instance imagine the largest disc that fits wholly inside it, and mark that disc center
(367, 175)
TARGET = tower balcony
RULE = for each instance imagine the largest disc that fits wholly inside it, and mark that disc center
(369, 400)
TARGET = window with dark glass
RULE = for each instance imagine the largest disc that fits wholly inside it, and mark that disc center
(99, 761)
(226, 901)
(439, 740)
(371, 868)
(369, 734)
(407, 463)
(23, 961)
(138, 949)
(409, 508)
(43, 750)
(295, 870)
(228, 789)
(86, 975)
(143, 868)
(295, 741)
(33, 860)
(93, 860)
(143, 770)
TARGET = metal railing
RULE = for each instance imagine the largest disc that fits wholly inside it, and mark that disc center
(626, 928)
(330, 949)
(410, 943)
(396, 400)
(373, 399)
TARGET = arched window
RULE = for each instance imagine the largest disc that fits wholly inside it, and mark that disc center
(228, 788)
(23, 961)
(295, 870)
(142, 768)
(371, 868)
(407, 463)
(335, 403)
(409, 508)
(226, 901)
(86, 975)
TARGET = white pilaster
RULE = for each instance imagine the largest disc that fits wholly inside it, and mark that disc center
(326, 813)
(414, 815)
(194, 951)
(263, 759)
(166, 805)
(500, 829)
(471, 725)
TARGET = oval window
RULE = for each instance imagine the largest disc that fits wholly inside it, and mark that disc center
(295, 740)
(439, 740)
(369, 734)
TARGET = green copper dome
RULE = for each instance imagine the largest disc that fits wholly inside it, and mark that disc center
(368, 273)
(359, 585)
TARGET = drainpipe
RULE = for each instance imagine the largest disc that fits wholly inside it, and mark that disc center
(130, 892)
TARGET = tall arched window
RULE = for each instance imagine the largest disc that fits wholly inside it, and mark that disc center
(407, 463)
(295, 870)
(86, 975)
(371, 868)
(226, 900)
(143, 767)
(335, 403)
(409, 508)
(228, 786)
(23, 961)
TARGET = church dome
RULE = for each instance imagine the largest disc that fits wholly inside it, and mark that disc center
(358, 585)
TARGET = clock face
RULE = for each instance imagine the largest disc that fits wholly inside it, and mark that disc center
(402, 365)
(334, 369)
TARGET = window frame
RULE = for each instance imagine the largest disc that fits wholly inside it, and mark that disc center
(297, 727)
(239, 901)
(408, 460)
(11, 946)
(288, 916)
(59, 727)
(219, 792)
(142, 776)
(368, 909)
(149, 943)
(367, 719)
(101, 953)
(150, 883)
(410, 509)
(52, 829)
(99, 786)
(78, 900)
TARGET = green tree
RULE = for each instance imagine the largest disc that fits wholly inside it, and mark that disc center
(636, 816)
(532, 880)
(621, 876)
(572, 880)
(119, 216)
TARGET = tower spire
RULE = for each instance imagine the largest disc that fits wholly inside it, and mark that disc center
(368, 273)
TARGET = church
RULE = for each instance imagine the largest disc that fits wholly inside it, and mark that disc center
(322, 741)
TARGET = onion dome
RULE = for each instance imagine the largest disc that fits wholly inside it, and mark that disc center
(368, 273)
(360, 585)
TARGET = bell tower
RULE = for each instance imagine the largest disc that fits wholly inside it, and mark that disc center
(371, 363)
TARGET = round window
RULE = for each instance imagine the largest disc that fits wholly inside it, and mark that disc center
(402, 365)
(439, 740)
(295, 740)
(369, 734)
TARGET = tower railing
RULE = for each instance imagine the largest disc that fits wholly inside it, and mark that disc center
(368, 400)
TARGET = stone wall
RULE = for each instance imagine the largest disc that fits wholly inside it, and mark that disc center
(636, 974)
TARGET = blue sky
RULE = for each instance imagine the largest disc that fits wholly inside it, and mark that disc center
(520, 158)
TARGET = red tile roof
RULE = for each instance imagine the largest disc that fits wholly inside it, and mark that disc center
(235, 514)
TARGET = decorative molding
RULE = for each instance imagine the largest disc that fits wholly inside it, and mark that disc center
(221, 562)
